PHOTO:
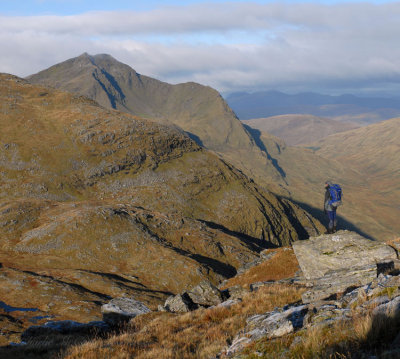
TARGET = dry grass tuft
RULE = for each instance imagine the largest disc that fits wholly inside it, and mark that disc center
(282, 265)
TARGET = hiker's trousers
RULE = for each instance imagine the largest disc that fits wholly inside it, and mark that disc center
(332, 218)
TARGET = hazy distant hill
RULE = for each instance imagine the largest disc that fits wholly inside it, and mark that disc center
(346, 108)
(299, 129)
(97, 203)
(373, 150)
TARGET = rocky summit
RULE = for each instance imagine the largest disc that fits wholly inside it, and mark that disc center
(97, 204)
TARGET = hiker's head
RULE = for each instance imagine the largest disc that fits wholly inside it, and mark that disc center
(328, 184)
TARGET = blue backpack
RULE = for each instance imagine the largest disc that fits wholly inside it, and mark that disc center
(336, 195)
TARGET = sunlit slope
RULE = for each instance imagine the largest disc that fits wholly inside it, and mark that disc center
(96, 203)
(198, 110)
(299, 129)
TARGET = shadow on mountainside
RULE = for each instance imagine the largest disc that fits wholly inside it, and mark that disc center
(321, 216)
(256, 134)
(254, 243)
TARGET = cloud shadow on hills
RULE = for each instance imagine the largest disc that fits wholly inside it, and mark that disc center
(322, 217)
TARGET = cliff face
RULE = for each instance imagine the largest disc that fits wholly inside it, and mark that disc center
(96, 203)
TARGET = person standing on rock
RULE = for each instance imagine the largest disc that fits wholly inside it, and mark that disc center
(333, 199)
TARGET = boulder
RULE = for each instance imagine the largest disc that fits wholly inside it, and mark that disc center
(180, 303)
(121, 310)
(340, 250)
(206, 294)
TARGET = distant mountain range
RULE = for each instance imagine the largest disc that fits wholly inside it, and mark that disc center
(348, 108)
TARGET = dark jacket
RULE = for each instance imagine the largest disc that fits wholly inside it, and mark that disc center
(327, 205)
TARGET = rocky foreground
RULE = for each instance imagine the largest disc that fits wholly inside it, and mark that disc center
(343, 276)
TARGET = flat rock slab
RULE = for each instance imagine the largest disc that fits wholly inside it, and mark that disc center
(343, 249)
(339, 281)
(120, 310)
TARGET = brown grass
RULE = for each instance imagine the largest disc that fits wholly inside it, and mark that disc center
(199, 334)
(282, 265)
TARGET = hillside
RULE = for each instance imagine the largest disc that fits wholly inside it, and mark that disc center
(374, 152)
(346, 108)
(299, 129)
(198, 110)
(201, 112)
(365, 208)
(96, 203)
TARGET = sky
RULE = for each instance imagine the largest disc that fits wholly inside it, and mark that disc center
(333, 47)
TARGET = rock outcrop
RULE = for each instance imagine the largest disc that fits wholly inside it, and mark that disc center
(341, 250)
(203, 295)
(335, 262)
(121, 310)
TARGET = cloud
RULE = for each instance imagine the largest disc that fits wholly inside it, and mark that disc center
(230, 46)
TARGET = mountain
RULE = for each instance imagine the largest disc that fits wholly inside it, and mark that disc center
(297, 174)
(299, 129)
(97, 203)
(199, 110)
(347, 108)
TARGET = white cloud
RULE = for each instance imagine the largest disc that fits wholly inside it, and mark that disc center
(228, 46)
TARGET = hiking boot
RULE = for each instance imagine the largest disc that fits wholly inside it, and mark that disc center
(329, 231)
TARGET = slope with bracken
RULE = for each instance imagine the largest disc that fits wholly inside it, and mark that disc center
(95, 203)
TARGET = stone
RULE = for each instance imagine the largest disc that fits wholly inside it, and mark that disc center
(65, 327)
(180, 303)
(341, 250)
(205, 294)
(270, 325)
(390, 309)
(338, 281)
(121, 310)
(236, 292)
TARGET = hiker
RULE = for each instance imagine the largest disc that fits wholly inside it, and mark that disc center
(333, 197)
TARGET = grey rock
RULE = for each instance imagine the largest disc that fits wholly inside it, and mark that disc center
(228, 303)
(326, 315)
(180, 303)
(338, 281)
(121, 310)
(206, 294)
(236, 292)
(340, 250)
(270, 325)
(257, 285)
(390, 309)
